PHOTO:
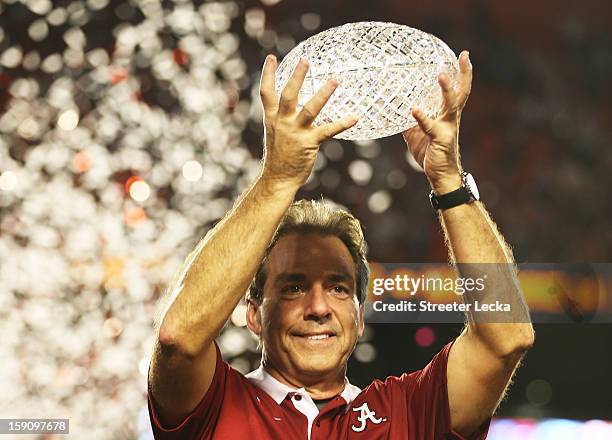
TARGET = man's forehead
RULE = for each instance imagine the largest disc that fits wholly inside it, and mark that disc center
(295, 252)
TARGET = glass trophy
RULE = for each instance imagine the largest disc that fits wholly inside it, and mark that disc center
(383, 70)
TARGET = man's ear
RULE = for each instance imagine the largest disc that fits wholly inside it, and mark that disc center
(253, 317)
(361, 324)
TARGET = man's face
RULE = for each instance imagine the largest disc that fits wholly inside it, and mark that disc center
(310, 317)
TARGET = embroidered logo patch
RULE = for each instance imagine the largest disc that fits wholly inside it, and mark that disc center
(366, 414)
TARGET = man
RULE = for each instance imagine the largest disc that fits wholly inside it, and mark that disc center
(306, 268)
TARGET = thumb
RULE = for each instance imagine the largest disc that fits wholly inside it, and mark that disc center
(424, 121)
(333, 128)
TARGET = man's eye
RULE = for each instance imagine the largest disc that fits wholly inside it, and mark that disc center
(296, 288)
(340, 289)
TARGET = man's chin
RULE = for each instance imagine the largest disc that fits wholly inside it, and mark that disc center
(322, 350)
(318, 367)
(316, 357)
(317, 362)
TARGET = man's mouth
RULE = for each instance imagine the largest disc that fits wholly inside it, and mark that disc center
(316, 336)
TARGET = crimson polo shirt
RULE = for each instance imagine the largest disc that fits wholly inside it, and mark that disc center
(413, 406)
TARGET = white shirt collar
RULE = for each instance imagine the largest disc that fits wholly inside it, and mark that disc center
(278, 390)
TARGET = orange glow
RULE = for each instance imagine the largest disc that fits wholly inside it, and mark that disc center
(129, 182)
(81, 162)
(180, 56)
(117, 74)
(113, 271)
(134, 216)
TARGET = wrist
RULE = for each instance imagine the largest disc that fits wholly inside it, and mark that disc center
(446, 184)
(276, 187)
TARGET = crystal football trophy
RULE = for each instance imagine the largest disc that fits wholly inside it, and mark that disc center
(383, 70)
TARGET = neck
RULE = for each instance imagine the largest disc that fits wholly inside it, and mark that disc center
(319, 387)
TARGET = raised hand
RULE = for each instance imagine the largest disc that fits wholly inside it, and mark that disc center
(291, 142)
(434, 142)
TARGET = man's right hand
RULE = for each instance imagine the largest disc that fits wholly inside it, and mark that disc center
(291, 142)
(219, 271)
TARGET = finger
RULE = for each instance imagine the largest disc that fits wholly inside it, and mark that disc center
(333, 128)
(267, 89)
(424, 121)
(449, 107)
(289, 96)
(313, 107)
(465, 79)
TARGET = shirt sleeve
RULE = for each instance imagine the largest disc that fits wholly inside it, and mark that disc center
(200, 423)
(427, 404)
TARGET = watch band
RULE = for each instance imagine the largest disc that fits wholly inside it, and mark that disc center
(454, 198)
(451, 199)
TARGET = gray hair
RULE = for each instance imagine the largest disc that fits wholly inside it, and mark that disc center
(325, 218)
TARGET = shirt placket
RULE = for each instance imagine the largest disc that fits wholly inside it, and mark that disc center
(331, 407)
(304, 404)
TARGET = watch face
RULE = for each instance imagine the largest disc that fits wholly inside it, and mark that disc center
(470, 184)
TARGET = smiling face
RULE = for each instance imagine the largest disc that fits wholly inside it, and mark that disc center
(310, 318)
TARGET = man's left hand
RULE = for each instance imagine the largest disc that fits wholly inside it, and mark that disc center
(434, 142)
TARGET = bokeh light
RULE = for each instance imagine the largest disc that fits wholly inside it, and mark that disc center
(538, 392)
(8, 181)
(360, 171)
(192, 170)
(140, 191)
(424, 336)
(379, 201)
(365, 352)
(68, 120)
(238, 316)
(99, 136)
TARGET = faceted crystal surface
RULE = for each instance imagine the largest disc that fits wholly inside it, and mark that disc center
(383, 69)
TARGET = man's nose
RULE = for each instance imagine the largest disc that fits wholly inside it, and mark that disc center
(317, 305)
